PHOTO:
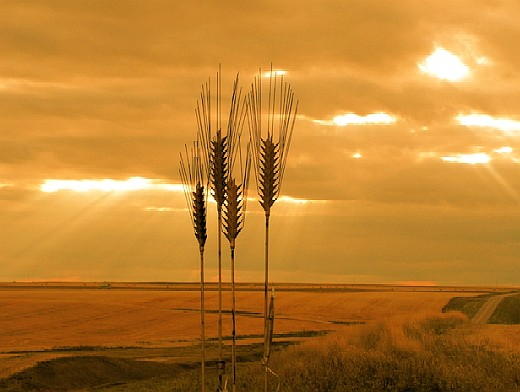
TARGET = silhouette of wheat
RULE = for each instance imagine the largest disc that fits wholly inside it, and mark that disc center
(194, 176)
(229, 174)
(234, 213)
(216, 153)
(271, 121)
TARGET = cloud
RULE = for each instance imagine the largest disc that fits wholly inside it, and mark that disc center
(504, 150)
(470, 159)
(101, 92)
(343, 120)
(108, 185)
(487, 121)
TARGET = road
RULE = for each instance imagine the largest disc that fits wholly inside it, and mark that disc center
(489, 307)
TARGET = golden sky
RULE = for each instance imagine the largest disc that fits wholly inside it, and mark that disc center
(404, 166)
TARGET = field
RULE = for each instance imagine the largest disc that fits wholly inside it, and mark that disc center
(144, 337)
(508, 312)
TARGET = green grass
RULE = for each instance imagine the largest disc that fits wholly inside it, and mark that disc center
(73, 373)
(507, 312)
(467, 305)
(91, 368)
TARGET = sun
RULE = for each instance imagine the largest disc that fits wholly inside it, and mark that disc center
(445, 65)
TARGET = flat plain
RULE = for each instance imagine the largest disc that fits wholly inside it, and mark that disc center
(160, 322)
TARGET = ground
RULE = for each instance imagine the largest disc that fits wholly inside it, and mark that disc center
(160, 323)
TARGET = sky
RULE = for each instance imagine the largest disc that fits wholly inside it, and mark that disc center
(404, 167)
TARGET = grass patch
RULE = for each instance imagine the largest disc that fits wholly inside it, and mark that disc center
(426, 354)
(436, 357)
(467, 305)
(126, 368)
(431, 326)
(507, 312)
(73, 373)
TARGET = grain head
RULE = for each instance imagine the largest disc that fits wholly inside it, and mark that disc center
(193, 172)
(270, 118)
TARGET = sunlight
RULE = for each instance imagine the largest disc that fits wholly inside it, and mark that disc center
(504, 150)
(444, 65)
(14, 83)
(293, 200)
(160, 209)
(275, 72)
(503, 182)
(470, 159)
(289, 200)
(357, 155)
(108, 185)
(343, 120)
(355, 119)
(487, 121)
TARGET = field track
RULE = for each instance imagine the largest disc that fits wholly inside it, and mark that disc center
(487, 310)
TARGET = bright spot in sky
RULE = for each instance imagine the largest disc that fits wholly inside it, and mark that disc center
(275, 72)
(444, 65)
(355, 119)
(342, 120)
(9, 83)
(485, 120)
(107, 185)
(159, 209)
(293, 200)
(357, 155)
(504, 150)
(470, 159)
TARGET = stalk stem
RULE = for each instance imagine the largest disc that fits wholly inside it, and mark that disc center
(202, 324)
(220, 342)
(233, 321)
(266, 294)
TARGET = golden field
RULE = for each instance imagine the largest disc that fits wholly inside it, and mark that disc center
(160, 324)
(36, 319)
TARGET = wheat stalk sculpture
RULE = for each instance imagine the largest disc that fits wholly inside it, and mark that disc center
(221, 148)
(194, 176)
(271, 121)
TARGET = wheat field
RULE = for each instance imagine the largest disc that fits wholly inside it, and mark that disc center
(46, 318)
(40, 324)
